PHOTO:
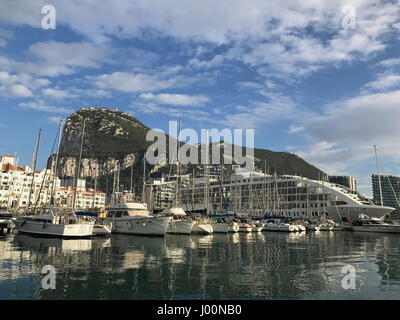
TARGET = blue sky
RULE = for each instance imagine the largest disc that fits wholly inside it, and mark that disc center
(320, 79)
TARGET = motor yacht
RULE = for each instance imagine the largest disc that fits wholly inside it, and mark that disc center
(134, 218)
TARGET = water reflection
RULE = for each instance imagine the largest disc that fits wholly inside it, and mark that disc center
(217, 266)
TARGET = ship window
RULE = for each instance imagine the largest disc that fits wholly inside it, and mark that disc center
(118, 214)
(125, 213)
(109, 214)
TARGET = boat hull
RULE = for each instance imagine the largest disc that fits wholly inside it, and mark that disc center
(258, 228)
(56, 230)
(152, 226)
(244, 227)
(223, 227)
(180, 226)
(279, 227)
(381, 229)
(101, 230)
(202, 228)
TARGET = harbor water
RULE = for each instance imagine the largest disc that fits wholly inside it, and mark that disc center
(264, 265)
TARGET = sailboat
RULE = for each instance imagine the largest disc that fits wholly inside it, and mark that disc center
(180, 223)
(202, 226)
(220, 223)
(100, 227)
(52, 221)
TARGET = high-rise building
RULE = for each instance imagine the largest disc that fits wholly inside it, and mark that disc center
(390, 185)
(346, 181)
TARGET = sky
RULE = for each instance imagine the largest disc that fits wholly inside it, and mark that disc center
(320, 79)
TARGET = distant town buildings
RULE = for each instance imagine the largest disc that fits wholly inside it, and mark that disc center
(346, 181)
(390, 185)
(16, 186)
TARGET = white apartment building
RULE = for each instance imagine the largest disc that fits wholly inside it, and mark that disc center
(16, 182)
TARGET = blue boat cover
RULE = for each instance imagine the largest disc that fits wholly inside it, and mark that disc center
(85, 213)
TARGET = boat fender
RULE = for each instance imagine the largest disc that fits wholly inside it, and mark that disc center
(129, 224)
(44, 224)
(23, 223)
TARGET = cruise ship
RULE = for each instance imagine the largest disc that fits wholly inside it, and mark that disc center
(255, 194)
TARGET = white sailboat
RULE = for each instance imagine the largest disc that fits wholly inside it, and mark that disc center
(53, 222)
(202, 227)
(257, 226)
(180, 223)
(100, 227)
(278, 225)
(223, 225)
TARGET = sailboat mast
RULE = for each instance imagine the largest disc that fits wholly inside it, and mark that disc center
(144, 178)
(178, 165)
(95, 192)
(206, 176)
(79, 164)
(251, 195)
(34, 168)
(193, 205)
(55, 165)
(131, 190)
(379, 176)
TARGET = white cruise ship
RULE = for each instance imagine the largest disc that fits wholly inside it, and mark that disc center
(255, 194)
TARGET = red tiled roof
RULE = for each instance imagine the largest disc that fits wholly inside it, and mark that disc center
(10, 167)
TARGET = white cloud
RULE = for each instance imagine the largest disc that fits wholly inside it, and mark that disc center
(55, 93)
(200, 64)
(55, 119)
(275, 107)
(258, 32)
(389, 62)
(19, 85)
(42, 106)
(249, 85)
(138, 82)
(57, 58)
(384, 81)
(344, 134)
(18, 90)
(175, 99)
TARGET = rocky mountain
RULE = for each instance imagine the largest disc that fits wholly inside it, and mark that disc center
(116, 140)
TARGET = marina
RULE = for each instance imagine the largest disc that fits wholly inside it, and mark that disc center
(199, 150)
(225, 233)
